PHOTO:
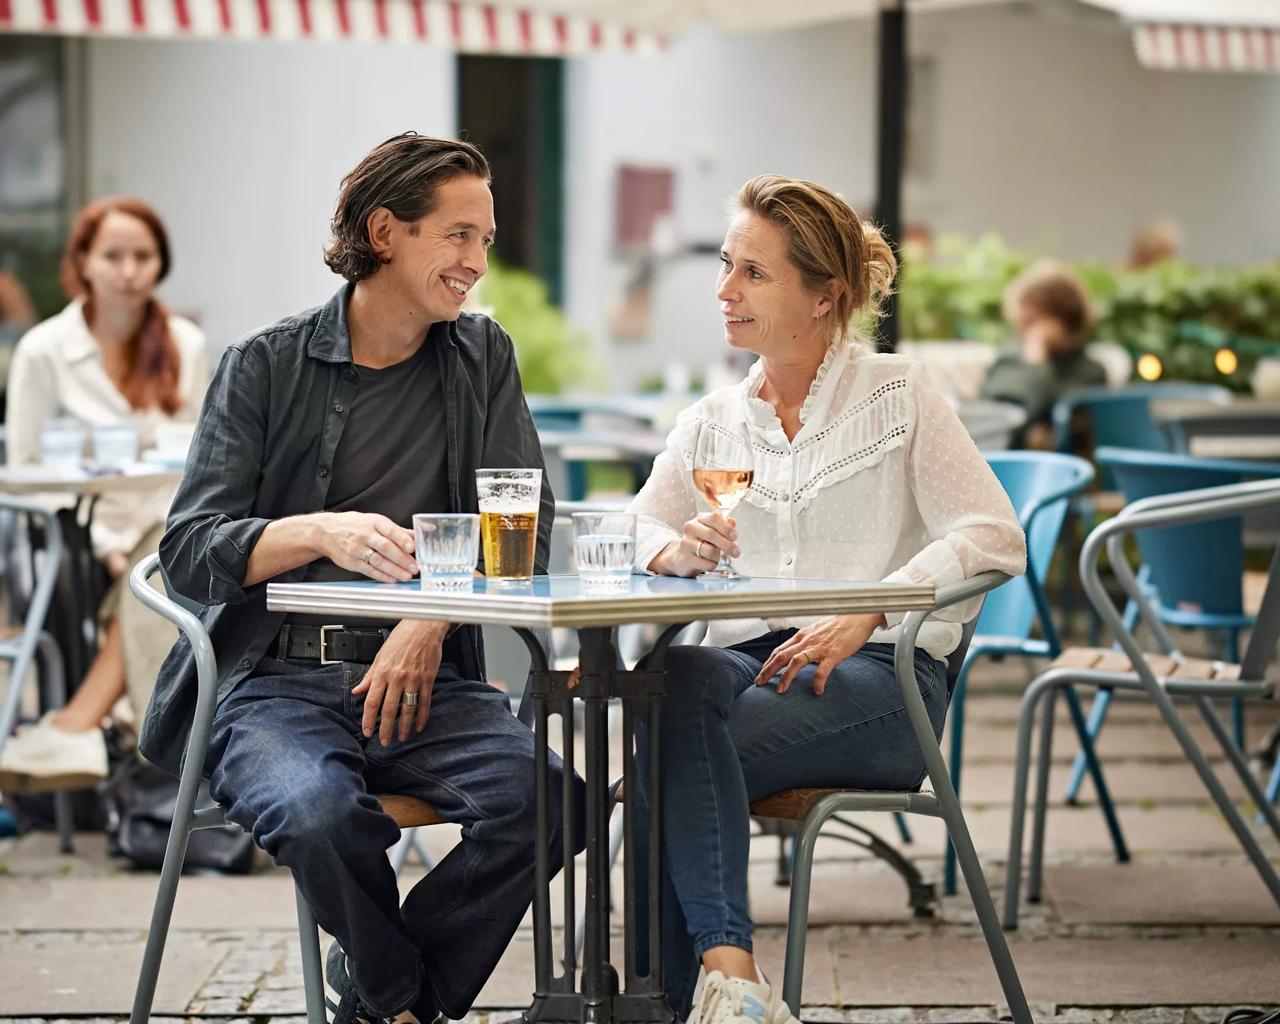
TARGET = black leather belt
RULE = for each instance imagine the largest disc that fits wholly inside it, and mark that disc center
(330, 645)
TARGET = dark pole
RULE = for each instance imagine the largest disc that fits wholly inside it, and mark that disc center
(892, 99)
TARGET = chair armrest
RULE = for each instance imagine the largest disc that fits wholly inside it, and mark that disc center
(202, 648)
(954, 593)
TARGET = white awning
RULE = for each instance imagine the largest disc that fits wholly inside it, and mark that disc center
(1202, 35)
(534, 29)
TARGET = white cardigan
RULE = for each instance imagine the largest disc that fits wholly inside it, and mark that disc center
(882, 482)
(57, 371)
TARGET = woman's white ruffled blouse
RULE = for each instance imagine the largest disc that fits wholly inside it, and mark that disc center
(882, 482)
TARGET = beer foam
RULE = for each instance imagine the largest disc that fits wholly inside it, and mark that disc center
(503, 506)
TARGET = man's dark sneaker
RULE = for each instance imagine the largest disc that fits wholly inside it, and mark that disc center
(348, 1009)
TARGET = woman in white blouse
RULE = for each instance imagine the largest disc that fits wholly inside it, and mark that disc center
(113, 356)
(862, 470)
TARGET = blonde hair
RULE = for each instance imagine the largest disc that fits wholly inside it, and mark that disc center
(827, 240)
(1052, 290)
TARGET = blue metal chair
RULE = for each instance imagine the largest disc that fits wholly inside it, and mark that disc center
(1040, 485)
(1123, 416)
(1193, 572)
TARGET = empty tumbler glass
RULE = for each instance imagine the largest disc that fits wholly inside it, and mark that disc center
(62, 443)
(447, 548)
(604, 546)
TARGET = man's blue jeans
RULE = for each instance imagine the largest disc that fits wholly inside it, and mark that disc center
(726, 742)
(288, 762)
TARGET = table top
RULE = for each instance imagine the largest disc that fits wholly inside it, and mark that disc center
(1168, 410)
(548, 601)
(1232, 446)
(19, 480)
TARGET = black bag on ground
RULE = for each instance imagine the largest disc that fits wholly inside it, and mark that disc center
(143, 800)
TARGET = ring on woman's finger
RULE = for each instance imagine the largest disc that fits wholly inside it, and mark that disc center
(368, 558)
(409, 700)
(698, 550)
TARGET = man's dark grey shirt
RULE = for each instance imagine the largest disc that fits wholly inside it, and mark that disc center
(264, 449)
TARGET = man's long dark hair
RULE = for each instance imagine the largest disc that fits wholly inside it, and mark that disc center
(403, 175)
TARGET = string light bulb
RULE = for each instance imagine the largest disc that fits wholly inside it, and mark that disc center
(1149, 366)
(1226, 361)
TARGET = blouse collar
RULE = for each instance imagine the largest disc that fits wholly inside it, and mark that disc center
(821, 388)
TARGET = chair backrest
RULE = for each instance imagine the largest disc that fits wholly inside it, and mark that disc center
(1123, 417)
(1196, 569)
(955, 660)
(1040, 486)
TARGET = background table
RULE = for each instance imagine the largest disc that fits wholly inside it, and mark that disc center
(72, 620)
(549, 601)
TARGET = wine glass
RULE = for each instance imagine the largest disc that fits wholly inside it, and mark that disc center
(722, 474)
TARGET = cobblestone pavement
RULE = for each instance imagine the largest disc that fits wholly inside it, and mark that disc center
(1179, 936)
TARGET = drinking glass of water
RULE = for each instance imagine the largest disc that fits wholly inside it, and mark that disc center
(447, 547)
(604, 546)
(62, 443)
(115, 446)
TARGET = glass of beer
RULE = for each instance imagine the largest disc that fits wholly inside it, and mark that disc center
(722, 474)
(508, 521)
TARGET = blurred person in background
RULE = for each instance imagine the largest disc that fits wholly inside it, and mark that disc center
(1050, 312)
(860, 469)
(113, 356)
(1154, 243)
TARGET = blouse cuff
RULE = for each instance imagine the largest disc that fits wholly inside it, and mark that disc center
(651, 537)
(936, 564)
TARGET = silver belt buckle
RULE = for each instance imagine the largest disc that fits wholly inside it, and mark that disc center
(324, 640)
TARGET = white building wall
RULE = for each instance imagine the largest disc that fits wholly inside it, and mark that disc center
(242, 146)
(1042, 128)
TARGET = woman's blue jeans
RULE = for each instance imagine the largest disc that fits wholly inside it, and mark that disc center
(726, 742)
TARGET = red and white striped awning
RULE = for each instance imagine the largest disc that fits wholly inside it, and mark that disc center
(458, 25)
(1202, 35)
(1172, 47)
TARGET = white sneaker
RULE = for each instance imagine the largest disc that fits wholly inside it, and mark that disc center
(43, 757)
(726, 1000)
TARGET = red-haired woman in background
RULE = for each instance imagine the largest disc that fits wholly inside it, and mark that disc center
(113, 356)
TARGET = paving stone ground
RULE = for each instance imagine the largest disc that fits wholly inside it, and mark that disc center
(1178, 936)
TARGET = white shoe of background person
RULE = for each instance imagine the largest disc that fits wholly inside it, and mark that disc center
(45, 757)
(727, 1000)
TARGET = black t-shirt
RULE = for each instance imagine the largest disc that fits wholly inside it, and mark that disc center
(392, 456)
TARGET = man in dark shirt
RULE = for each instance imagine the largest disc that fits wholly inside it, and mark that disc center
(321, 436)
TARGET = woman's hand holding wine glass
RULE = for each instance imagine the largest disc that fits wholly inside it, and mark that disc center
(722, 474)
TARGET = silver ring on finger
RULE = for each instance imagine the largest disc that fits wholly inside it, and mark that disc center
(368, 558)
(698, 550)
(409, 700)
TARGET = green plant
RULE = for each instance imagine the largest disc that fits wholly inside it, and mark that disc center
(551, 353)
(1182, 314)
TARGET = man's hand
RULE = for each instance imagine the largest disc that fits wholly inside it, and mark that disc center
(369, 544)
(407, 663)
(698, 550)
(824, 643)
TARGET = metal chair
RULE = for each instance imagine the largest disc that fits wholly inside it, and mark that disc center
(1119, 417)
(1193, 573)
(1123, 416)
(1159, 677)
(408, 812)
(1040, 485)
(21, 648)
(816, 806)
